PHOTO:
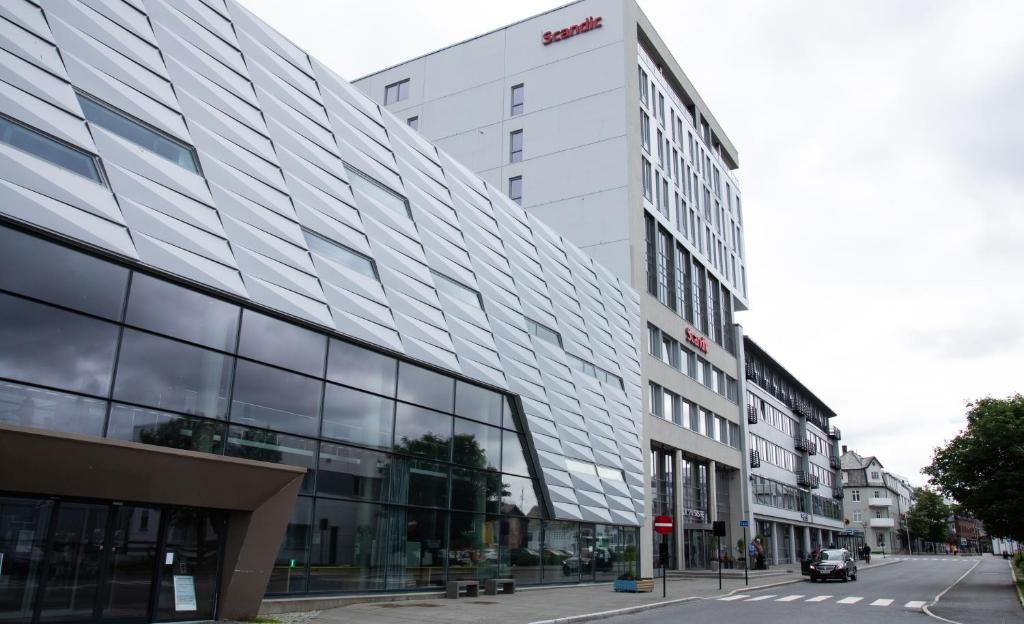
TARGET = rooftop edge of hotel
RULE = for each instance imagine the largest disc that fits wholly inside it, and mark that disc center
(652, 42)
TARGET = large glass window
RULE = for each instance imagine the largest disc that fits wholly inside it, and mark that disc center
(418, 545)
(473, 546)
(283, 344)
(272, 398)
(32, 141)
(161, 144)
(474, 490)
(52, 347)
(361, 368)
(561, 552)
(417, 482)
(48, 409)
(358, 417)
(425, 387)
(521, 544)
(289, 574)
(44, 270)
(138, 424)
(276, 448)
(423, 432)
(512, 457)
(519, 496)
(349, 547)
(352, 472)
(476, 445)
(168, 309)
(172, 375)
(478, 403)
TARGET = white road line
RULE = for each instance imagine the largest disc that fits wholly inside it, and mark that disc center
(757, 598)
(736, 597)
(882, 602)
(850, 600)
(914, 604)
(790, 598)
(818, 599)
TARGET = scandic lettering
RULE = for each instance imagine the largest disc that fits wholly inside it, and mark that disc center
(698, 341)
(585, 26)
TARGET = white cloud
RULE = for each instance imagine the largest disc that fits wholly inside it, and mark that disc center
(882, 153)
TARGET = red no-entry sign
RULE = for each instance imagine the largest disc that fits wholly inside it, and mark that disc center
(663, 524)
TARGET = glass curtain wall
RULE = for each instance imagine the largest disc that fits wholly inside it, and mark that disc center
(412, 476)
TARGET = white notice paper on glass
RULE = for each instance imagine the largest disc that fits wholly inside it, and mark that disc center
(184, 593)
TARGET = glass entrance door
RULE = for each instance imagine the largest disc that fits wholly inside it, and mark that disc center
(24, 525)
(131, 562)
(190, 563)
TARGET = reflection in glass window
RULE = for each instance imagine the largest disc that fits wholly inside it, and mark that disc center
(349, 547)
(43, 270)
(580, 467)
(352, 472)
(139, 133)
(473, 546)
(357, 417)
(519, 496)
(272, 398)
(478, 403)
(43, 345)
(138, 424)
(508, 418)
(182, 313)
(521, 543)
(377, 191)
(283, 344)
(561, 551)
(418, 539)
(340, 253)
(457, 290)
(543, 332)
(172, 375)
(422, 432)
(361, 368)
(276, 448)
(425, 387)
(288, 576)
(474, 490)
(417, 482)
(32, 141)
(512, 457)
(476, 445)
(613, 474)
(47, 409)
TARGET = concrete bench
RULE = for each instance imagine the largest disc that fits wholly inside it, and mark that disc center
(455, 589)
(491, 586)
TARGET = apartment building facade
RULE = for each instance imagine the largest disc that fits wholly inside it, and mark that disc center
(794, 462)
(258, 336)
(875, 501)
(585, 118)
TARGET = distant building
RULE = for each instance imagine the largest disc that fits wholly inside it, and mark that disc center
(970, 535)
(875, 502)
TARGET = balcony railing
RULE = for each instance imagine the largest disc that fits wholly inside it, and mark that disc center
(834, 433)
(807, 479)
(879, 502)
(755, 459)
(801, 443)
(883, 523)
(835, 463)
(837, 493)
(751, 415)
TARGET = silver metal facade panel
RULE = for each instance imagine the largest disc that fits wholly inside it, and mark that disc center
(274, 132)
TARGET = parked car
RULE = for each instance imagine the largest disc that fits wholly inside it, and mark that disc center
(836, 564)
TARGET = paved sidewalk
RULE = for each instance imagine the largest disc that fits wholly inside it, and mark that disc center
(538, 604)
(985, 596)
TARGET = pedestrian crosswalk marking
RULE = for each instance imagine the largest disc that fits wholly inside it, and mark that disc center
(757, 598)
(790, 598)
(736, 597)
(914, 604)
(818, 599)
(850, 600)
(882, 602)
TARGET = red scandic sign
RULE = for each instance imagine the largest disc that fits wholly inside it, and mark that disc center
(586, 25)
(698, 341)
(663, 524)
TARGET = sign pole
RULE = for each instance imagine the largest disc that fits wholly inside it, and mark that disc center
(746, 559)
(664, 579)
(719, 564)
(664, 526)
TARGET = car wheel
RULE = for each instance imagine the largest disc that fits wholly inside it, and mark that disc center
(846, 577)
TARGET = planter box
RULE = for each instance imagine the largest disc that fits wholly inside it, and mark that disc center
(643, 585)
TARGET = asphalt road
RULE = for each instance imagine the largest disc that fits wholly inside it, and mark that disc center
(893, 593)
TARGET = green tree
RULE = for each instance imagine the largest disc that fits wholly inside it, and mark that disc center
(928, 519)
(983, 467)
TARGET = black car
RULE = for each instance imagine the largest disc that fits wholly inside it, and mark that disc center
(835, 564)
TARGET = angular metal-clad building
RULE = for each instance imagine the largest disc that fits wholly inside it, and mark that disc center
(258, 336)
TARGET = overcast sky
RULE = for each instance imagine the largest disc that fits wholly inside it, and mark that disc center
(882, 167)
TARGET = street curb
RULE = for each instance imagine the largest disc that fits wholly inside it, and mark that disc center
(926, 609)
(1016, 585)
(601, 615)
